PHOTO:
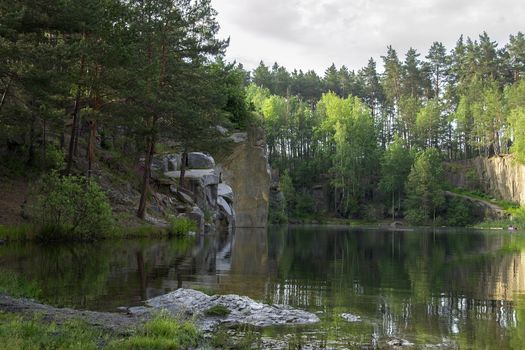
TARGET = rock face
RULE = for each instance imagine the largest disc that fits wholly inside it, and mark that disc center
(500, 176)
(242, 310)
(247, 171)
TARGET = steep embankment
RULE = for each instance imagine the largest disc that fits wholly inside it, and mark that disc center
(499, 176)
(247, 170)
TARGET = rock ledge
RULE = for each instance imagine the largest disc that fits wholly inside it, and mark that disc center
(243, 310)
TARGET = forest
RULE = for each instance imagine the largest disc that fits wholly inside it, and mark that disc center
(84, 81)
(378, 135)
(107, 81)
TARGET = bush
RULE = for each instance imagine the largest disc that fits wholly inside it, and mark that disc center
(71, 208)
(459, 213)
(518, 217)
(182, 226)
(416, 217)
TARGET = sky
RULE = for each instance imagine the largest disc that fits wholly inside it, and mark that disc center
(313, 34)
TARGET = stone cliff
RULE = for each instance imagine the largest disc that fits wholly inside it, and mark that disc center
(246, 170)
(499, 176)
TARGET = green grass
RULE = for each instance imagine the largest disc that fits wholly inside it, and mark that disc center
(181, 226)
(19, 333)
(29, 232)
(505, 205)
(162, 333)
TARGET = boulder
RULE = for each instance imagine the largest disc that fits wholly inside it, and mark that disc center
(242, 310)
(226, 192)
(166, 162)
(200, 160)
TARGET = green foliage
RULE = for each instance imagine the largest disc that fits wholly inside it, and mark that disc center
(425, 195)
(217, 310)
(288, 190)
(54, 159)
(181, 226)
(395, 166)
(350, 125)
(518, 217)
(459, 213)
(71, 208)
(517, 121)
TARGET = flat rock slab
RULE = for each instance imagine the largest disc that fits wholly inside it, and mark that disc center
(243, 310)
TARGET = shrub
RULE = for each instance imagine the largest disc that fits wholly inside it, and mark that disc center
(416, 216)
(182, 226)
(54, 159)
(459, 213)
(71, 208)
(518, 217)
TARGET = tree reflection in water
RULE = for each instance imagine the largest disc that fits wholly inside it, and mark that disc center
(466, 286)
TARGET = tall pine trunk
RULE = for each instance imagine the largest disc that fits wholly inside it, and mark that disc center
(75, 124)
(141, 212)
(183, 165)
(91, 145)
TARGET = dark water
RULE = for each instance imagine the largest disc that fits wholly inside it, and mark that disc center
(455, 289)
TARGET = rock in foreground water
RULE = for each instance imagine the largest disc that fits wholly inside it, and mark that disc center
(242, 310)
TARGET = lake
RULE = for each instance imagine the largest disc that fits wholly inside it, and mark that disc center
(437, 289)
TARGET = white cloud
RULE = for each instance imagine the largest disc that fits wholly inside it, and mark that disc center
(311, 34)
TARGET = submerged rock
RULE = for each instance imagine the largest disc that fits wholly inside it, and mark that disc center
(242, 310)
(351, 317)
(399, 343)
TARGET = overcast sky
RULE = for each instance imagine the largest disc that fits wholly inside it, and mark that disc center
(311, 34)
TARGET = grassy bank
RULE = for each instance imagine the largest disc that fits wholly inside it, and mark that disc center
(30, 232)
(162, 332)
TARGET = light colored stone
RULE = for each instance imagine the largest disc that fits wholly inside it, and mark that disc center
(243, 310)
(225, 191)
(221, 202)
(350, 317)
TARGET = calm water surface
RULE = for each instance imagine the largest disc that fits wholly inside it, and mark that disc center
(453, 289)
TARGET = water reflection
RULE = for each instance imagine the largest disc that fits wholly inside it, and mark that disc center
(468, 287)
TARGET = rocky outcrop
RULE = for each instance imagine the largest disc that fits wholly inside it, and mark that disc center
(482, 209)
(239, 310)
(199, 198)
(500, 176)
(247, 171)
